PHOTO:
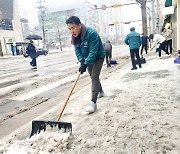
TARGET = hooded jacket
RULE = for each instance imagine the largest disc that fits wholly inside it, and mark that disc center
(88, 46)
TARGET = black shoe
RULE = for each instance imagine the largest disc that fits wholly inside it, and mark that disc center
(134, 68)
(140, 66)
(34, 67)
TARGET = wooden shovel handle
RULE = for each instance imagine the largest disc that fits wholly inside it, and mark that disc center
(61, 112)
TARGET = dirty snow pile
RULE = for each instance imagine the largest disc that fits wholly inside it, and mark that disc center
(43, 143)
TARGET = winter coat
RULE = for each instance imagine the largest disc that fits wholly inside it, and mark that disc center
(133, 39)
(107, 47)
(158, 39)
(31, 51)
(88, 46)
(168, 34)
(144, 39)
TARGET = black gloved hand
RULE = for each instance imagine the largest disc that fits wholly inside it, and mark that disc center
(82, 68)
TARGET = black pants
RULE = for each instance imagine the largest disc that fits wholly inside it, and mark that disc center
(169, 45)
(162, 46)
(144, 46)
(133, 53)
(108, 57)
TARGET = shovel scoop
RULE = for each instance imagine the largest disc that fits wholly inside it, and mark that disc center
(38, 126)
(64, 127)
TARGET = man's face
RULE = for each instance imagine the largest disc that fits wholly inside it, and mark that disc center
(164, 30)
(74, 29)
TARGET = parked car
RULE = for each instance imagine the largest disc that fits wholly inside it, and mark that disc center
(39, 51)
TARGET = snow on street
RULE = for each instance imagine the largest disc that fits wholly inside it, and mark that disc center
(26, 94)
(139, 114)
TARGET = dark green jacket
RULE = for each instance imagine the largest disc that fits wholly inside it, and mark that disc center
(90, 47)
(133, 39)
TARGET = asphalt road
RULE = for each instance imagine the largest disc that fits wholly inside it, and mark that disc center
(26, 93)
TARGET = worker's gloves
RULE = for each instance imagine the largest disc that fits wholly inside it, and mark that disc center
(82, 68)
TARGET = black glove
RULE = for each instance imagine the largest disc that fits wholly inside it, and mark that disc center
(82, 68)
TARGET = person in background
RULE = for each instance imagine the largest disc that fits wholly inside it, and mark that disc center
(12, 49)
(31, 51)
(159, 40)
(108, 51)
(167, 33)
(21, 51)
(177, 60)
(144, 43)
(133, 39)
(90, 53)
(17, 50)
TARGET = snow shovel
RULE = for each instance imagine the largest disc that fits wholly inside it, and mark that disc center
(39, 125)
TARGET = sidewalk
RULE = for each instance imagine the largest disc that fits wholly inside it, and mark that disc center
(139, 114)
(10, 56)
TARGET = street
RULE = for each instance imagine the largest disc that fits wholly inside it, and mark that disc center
(26, 93)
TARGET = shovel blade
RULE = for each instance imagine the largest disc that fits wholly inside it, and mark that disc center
(38, 126)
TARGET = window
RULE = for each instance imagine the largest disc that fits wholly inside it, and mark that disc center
(6, 24)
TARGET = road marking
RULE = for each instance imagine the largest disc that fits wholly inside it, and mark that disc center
(13, 87)
(43, 89)
(8, 74)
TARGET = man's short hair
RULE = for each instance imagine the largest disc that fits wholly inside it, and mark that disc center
(73, 20)
(132, 29)
(151, 36)
(163, 29)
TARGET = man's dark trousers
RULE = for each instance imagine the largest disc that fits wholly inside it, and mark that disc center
(162, 46)
(169, 45)
(33, 62)
(144, 46)
(133, 53)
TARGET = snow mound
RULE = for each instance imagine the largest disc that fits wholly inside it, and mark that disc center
(42, 143)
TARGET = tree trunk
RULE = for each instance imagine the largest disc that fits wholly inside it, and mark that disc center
(144, 17)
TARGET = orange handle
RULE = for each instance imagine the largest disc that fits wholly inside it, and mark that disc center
(61, 112)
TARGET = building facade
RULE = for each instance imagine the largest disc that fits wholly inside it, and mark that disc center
(10, 26)
(176, 25)
(110, 19)
(172, 17)
(53, 21)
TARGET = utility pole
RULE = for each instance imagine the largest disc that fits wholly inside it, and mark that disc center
(149, 14)
(144, 15)
(42, 15)
(1, 53)
(153, 17)
(59, 35)
(157, 20)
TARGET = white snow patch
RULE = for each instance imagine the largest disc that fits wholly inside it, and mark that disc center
(42, 143)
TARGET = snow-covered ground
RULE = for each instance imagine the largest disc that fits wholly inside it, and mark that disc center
(139, 114)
